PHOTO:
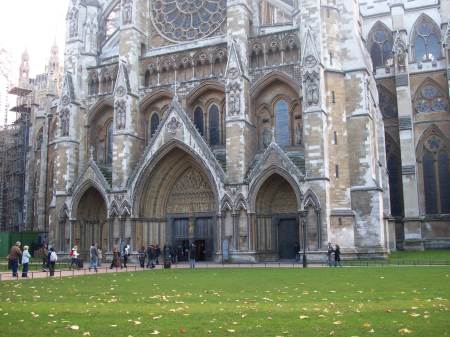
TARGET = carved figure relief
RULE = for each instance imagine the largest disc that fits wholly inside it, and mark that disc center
(267, 137)
(312, 88)
(234, 99)
(64, 119)
(173, 125)
(121, 113)
(399, 49)
(127, 11)
(73, 23)
(298, 133)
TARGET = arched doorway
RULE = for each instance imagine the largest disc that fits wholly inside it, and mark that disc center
(277, 219)
(178, 205)
(91, 223)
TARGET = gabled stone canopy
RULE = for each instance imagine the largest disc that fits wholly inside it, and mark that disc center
(177, 130)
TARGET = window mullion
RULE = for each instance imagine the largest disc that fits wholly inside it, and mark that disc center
(438, 187)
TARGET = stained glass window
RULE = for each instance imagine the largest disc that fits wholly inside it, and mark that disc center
(430, 98)
(187, 20)
(444, 181)
(426, 40)
(154, 123)
(429, 182)
(282, 134)
(198, 119)
(109, 137)
(387, 102)
(380, 42)
(214, 125)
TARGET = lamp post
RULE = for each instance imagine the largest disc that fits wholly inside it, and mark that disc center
(305, 262)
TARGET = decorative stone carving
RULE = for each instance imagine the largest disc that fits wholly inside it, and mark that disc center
(65, 100)
(233, 73)
(127, 12)
(299, 133)
(173, 125)
(310, 61)
(400, 49)
(234, 99)
(64, 119)
(73, 23)
(267, 137)
(187, 20)
(121, 112)
(311, 83)
(121, 91)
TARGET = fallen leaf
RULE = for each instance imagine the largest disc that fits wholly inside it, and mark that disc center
(75, 327)
(404, 331)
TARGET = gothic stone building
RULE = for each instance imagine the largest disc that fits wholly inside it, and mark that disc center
(251, 128)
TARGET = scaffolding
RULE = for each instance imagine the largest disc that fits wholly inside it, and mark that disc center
(14, 141)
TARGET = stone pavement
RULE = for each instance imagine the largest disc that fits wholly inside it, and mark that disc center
(104, 269)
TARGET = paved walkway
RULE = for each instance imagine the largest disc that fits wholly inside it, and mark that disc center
(7, 276)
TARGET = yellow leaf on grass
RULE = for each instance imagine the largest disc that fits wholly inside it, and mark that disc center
(87, 333)
(75, 327)
(303, 317)
(337, 322)
(156, 332)
(231, 330)
(404, 331)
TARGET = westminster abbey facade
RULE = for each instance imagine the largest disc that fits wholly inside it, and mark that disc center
(256, 127)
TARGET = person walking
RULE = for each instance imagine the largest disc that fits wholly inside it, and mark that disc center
(52, 258)
(14, 257)
(100, 257)
(93, 255)
(126, 253)
(44, 256)
(330, 254)
(115, 263)
(337, 256)
(141, 255)
(25, 261)
(157, 254)
(74, 257)
(192, 253)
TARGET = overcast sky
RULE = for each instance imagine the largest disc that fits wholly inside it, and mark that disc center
(32, 24)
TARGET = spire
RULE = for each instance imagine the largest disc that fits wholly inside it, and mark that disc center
(24, 70)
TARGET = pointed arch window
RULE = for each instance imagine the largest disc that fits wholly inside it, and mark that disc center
(394, 167)
(198, 119)
(154, 123)
(426, 40)
(436, 175)
(214, 125)
(430, 98)
(282, 131)
(387, 102)
(109, 144)
(380, 45)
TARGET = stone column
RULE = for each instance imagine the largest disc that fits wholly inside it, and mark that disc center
(240, 130)
(412, 223)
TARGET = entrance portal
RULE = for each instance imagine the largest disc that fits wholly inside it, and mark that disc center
(197, 231)
(288, 243)
(179, 195)
(277, 221)
(91, 221)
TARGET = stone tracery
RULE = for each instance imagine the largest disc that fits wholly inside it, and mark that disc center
(187, 20)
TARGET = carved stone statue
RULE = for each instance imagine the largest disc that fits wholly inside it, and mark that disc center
(299, 133)
(127, 11)
(65, 122)
(312, 88)
(267, 137)
(121, 113)
(234, 101)
(73, 23)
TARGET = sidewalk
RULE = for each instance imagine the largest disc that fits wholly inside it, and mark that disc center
(59, 273)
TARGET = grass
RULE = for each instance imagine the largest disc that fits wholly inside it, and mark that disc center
(411, 301)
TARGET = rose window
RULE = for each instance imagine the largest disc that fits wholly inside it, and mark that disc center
(187, 20)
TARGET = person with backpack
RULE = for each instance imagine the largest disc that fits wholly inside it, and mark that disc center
(52, 259)
(74, 257)
(25, 261)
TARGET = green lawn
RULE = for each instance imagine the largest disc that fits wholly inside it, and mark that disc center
(411, 301)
